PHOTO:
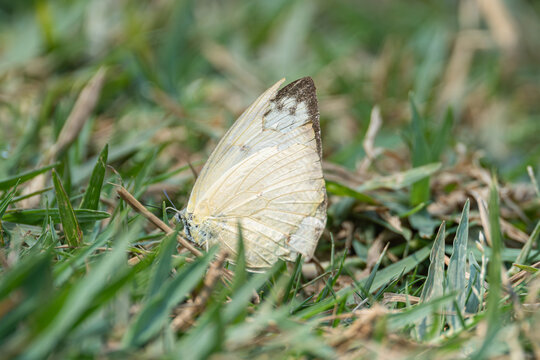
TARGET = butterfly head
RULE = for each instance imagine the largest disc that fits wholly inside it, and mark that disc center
(192, 229)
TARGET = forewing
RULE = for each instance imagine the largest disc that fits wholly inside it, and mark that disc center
(231, 148)
(272, 120)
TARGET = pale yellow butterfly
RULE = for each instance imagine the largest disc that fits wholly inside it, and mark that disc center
(265, 176)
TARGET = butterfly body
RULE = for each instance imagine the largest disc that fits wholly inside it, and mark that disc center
(265, 176)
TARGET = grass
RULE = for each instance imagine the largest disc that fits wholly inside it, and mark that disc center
(429, 119)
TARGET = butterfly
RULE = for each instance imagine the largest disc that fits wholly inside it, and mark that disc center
(265, 180)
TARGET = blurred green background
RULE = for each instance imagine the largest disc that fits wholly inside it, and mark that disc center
(180, 72)
(169, 77)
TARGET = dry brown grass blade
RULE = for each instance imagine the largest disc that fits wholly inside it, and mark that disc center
(530, 172)
(482, 209)
(403, 298)
(372, 152)
(33, 186)
(362, 328)
(238, 72)
(374, 252)
(137, 206)
(501, 24)
(455, 78)
(85, 104)
(80, 113)
(166, 102)
(518, 278)
(186, 318)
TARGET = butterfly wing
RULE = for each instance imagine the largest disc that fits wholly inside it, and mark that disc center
(233, 145)
(269, 180)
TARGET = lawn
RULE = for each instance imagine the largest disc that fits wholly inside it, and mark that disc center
(430, 120)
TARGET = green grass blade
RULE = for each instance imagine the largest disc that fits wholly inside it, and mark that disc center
(420, 155)
(242, 296)
(493, 312)
(474, 290)
(342, 190)
(65, 269)
(400, 180)
(21, 178)
(36, 216)
(523, 256)
(162, 264)
(204, 339)
(79, 299)
(7, 199)
(93, 191)
(369, 282)
(403, 266)
(295, 275)
(30, 279)
(433, 286)
(443, 135)
(458, 266)
(72, 231)
(240, 275)
(418, 312)
(154, 313)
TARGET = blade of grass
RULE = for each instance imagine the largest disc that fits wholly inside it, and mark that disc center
(473, 302)
(24, 288)
(420, 155)
(63, 270)
(36, 216)
(93, 191)
(433, 286)
(72, 231)
(523, 256)
(240, 275)
(400, 180)
(369, 282)
(416, 313)
(458, 266)
(443, 135)
(401, 267)
(294, 276)
(79, 298)
(342, 190)
(155, 311)
(493, 311)
(204, 339)
(242, 296)
(162, 264)
(7, 199)
(21, 178)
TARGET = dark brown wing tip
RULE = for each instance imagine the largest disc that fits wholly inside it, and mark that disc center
(304, 90)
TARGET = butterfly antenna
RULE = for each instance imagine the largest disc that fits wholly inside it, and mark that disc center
(168, 198)
(173, 208)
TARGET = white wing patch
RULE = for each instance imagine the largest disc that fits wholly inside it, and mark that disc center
(265, 175)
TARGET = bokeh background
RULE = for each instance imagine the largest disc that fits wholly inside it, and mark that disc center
(455, 85)
(180, 72)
